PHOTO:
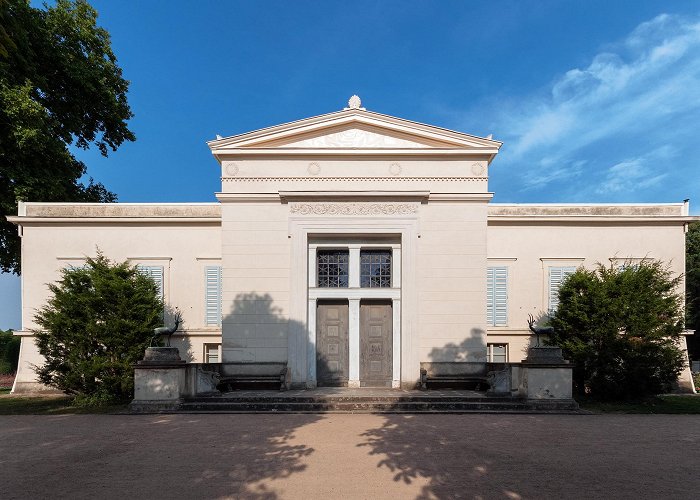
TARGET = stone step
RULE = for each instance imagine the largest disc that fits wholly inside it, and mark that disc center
(353, 406)
(271, 398)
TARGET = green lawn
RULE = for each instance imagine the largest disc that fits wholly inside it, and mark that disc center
(48, 405)
(656, 405)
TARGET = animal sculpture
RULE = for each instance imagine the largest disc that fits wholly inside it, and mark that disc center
(540, 330)
(164, 330)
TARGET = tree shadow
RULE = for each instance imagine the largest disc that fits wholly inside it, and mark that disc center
(452, 456)
(471, 349)
(257, 332)
(160, 456)
(470, 354)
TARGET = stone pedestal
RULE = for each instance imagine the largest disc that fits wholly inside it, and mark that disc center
(500, 382)
(159, 380)
(546, 379)
(545, 355)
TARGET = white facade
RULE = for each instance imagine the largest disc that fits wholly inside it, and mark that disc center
(461, 275)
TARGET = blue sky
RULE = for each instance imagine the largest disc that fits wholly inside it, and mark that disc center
(596, 101)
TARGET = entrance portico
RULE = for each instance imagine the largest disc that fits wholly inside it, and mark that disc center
(362, 185)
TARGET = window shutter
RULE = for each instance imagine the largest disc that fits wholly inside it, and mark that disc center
(557, 275)
(497, 296)
(156, 274)
(490, 320)
(212, 277)
(500, 296)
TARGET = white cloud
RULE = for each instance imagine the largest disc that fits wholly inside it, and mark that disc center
(630, 101)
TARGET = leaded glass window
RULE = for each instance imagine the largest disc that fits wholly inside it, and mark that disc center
(332, 268)
(375, 268)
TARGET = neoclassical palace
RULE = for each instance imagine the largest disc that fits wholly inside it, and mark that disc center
(352, 246)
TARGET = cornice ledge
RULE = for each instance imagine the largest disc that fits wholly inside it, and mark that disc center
(349, 178)
(307, 196)
(20, 220)
(592, 218)
(248, 197)
(428, 151)
(438, 197)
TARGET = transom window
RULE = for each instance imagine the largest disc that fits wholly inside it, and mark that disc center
(332, 268)
(375, 268)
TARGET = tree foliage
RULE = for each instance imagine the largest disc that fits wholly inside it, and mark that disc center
(96, 325)
(59, 85)
(620, 328)
(9, 352)
(692, 287)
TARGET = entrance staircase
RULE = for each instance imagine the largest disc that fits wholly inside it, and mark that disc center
(368, 400)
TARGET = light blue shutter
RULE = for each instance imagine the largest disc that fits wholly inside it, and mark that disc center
(497, 296)
(557, 275)
(156, 274)
(212, 278)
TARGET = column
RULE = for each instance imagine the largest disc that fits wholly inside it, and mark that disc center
(311, 356)
(354, 341)
(396, 355)
(354, 266)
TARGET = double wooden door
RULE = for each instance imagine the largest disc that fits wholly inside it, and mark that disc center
(332, 343)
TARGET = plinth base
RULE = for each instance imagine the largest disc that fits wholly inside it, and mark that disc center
(161, 356)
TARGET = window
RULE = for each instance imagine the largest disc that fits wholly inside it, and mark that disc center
(497, 353)
(497, 296)
(375, 268)
(332, 268)
(557, 275)
(211, 353)
(212, 293)
(156, 274)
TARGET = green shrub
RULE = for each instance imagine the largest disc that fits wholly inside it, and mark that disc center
(620, 327)
(95, 326)
(9, 352)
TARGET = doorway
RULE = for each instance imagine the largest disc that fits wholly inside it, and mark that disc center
(376, 343)
(332, 367)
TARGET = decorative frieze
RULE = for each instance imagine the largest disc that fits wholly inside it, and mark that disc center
(384, 208)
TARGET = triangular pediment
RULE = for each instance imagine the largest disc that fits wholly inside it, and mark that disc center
(356, 135)
(353, 130)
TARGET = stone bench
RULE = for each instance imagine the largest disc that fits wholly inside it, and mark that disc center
(453, 372)
(246, 374)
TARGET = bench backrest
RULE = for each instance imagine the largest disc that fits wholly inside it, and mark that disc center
(453, 368)
(232, 369)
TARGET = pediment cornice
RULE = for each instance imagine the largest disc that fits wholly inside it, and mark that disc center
(353, 131)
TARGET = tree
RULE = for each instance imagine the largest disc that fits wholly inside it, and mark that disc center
(692, 287)
(59, 85)
(620, 327)
(9, 352)
(96, 325)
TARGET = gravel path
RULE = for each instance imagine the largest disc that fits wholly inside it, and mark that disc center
(350, 456)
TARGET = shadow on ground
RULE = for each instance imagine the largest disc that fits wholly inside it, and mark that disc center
(433, 452)
(157, 456)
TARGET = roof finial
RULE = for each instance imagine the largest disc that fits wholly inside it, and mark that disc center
(355, 103)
